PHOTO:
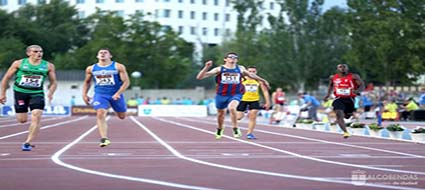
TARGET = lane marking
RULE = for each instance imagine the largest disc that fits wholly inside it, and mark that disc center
(55, 159)
(285, 175)
(324, 141)
(45, 127)
(15, 124)
(296, 154)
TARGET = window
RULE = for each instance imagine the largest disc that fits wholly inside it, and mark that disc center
(271, 6)
(204, 31)
(216, 15)
(81, 14)
(40, 2)
(227, 17)
(3, 2)
(100, 1)
(119, 1)
(80, 2)
(181, 1)
(138, 1)
(120, 13)
(204, 2)
(181, 14)
(167, 13)
(192, 1)
(22, 2)
(216, 31)
(204, 16)
(192, 15)
(181, 29)
(227, 3)
(192, 30)
(216, 2)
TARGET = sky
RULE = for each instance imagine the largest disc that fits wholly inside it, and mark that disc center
(330, 3)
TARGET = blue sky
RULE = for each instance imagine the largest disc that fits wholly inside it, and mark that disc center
(330, 3)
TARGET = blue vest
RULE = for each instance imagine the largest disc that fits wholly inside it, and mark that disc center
(106, 79)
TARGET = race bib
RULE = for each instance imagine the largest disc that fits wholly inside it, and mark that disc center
(33, 81)
(230, 78)
(343, 91)
(280, 98)
(105, 80)
(251, 88)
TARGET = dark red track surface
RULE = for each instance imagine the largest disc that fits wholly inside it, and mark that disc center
(182, 153)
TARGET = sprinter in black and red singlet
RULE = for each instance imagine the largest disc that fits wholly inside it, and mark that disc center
(345, 86)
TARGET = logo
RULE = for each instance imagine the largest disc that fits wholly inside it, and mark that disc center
(358, 177)
(147, 111)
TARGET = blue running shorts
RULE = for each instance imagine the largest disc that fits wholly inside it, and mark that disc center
(103, 101)
(221, 102)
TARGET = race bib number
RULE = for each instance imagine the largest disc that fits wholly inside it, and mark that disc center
(343, 91)
(33, 81)
(105, 80)
(230, 78)
(251, 88)
(281, 98)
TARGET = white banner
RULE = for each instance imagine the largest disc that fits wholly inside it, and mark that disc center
(173, 110)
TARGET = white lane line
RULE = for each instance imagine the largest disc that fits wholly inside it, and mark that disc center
(295, 154)
(45, 127)
(285, 175)
(15, 124)
(324, 141)
(55, 159)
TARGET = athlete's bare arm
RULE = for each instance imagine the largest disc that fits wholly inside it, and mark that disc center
(359, 83)
(253, 76)
(5, 81)
(125, 81)
(266, 95)
(53, 82)
(204, 73)
(330, 89)
(87, 84)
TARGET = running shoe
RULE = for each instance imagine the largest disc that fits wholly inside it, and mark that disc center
(219, 133)
(346, 135)
(237, 132)
(251, 136)
(27, 147)
(104, 142)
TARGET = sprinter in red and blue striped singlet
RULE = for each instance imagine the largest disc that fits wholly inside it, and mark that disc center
(229, 81)
(229, 89)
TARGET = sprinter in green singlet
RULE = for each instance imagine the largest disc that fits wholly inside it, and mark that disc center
(30, 74)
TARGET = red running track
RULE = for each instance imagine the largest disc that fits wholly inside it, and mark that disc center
(182, 153)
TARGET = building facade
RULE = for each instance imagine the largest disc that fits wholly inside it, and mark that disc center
(197, 21)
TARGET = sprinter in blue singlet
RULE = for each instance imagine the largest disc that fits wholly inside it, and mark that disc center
(110, 81)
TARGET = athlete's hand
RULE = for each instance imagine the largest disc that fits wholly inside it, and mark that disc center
(50, 97)
(266, 107)
(208, 64)
(86, 99)
(116, 97)
(326, 98)
(2, 99)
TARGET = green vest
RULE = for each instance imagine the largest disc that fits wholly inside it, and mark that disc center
(30, 78)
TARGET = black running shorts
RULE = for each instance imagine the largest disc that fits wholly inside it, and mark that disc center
(345, 104)
(243, 105)
(25, 100)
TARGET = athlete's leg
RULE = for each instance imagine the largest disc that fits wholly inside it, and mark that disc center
(340, 120)
(233, 113)
(101, 122)
(22, 117)
(119, 106)
(220, 118)
(35, 124)
(252, 120)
